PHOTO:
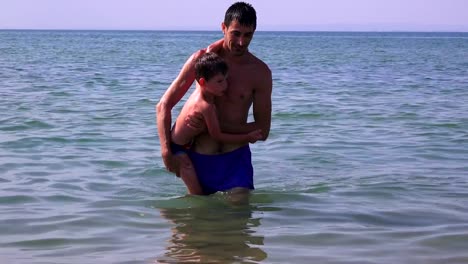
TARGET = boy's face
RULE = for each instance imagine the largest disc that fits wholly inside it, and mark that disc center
(217, 85)
(237, 37)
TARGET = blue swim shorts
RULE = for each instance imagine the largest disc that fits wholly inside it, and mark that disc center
(179, 149)
(225, 171)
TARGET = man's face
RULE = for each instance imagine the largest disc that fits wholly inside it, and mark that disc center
(237, 37)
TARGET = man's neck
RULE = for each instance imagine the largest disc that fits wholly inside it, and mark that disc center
(227, 55)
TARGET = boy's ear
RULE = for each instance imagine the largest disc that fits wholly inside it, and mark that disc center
(202, 81)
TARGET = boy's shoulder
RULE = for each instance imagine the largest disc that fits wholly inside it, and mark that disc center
(200, 104)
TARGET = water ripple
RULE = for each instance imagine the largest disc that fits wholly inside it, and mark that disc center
(366, 157)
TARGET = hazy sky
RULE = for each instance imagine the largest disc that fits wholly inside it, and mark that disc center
(380, 15)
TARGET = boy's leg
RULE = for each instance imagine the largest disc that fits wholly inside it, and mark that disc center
(188, 174)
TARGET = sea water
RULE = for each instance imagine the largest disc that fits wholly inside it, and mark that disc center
(366, 162)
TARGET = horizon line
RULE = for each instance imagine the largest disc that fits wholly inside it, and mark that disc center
(261, 30)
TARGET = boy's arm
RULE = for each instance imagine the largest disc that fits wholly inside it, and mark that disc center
(171, 97)
(212, 124)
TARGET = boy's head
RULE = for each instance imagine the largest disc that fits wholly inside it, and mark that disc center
(210, 73)
(209, 65)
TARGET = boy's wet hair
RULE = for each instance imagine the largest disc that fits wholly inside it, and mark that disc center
(243, 12)
(209, 65)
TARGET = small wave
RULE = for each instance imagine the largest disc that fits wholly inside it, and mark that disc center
(28, 125)
(17, 199)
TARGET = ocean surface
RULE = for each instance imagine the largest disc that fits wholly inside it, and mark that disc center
(367, 159)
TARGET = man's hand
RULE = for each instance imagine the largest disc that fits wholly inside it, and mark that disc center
(255, 135)
(195, 121)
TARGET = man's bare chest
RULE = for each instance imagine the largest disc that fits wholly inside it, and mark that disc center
(241, 85)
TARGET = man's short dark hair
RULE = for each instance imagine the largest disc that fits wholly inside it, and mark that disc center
(242, 12)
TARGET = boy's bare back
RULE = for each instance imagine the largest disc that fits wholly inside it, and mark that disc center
(183, 134)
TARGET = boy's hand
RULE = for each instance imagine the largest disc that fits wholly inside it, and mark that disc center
(255, 135)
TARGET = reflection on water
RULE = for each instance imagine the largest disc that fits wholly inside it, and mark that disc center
(213, 231)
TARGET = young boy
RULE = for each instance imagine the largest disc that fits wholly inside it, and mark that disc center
(210, 75)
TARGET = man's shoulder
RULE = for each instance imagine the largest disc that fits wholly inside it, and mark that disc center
(259, 64)
(197, 54)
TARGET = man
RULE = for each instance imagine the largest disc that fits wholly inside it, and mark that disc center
(224, 166)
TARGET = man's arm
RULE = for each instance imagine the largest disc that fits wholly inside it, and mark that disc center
(262, 104)
(171, 97)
